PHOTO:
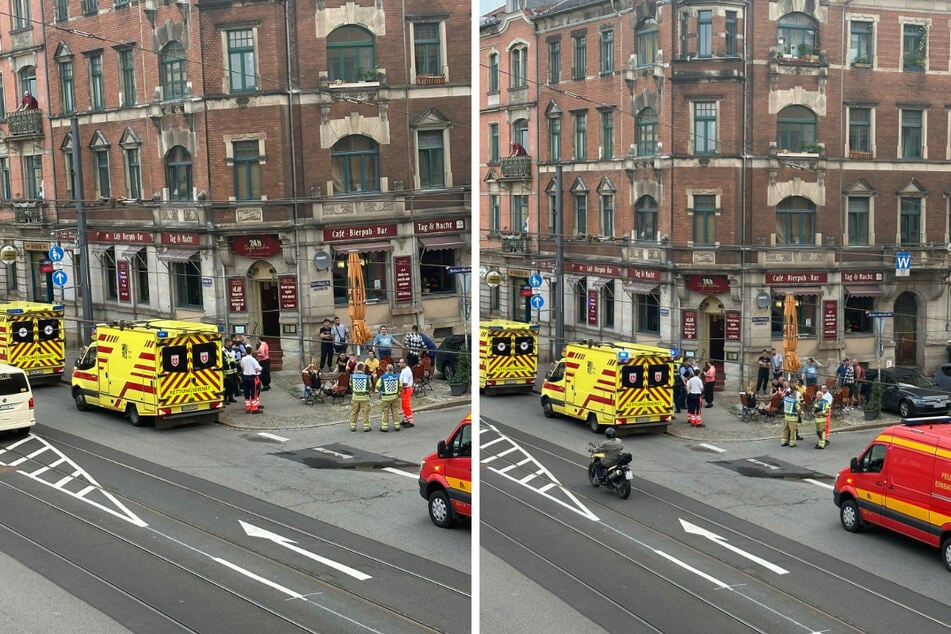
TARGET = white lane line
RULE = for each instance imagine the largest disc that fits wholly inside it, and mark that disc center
(489, 459)
(530, 476)
(824, 485)
(508, 451)
(264, 434)
(690, 568)
(414, 476)
(711, 447)
(492, 442)
(258, 578)
(337, 454)
(28, 457)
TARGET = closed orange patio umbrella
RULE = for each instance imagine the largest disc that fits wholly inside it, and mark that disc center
(790, 334)
(357, 296)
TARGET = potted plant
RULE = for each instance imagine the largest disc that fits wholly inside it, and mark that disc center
(873, 404)
(459, 378)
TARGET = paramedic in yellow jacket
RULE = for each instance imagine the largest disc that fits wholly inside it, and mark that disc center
(389, 387)
(360, 399)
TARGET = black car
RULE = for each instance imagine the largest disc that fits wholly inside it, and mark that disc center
(447, 354)
(910, 393)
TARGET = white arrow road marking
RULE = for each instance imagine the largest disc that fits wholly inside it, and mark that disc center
(821, 484)
(693, 529)
(264, 434)
(254, 531)
(541, 471)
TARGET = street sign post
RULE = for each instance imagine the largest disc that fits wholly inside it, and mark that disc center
(60, 278)
(535, 280)
(56, 253)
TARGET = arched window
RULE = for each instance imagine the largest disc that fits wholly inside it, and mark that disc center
(27, 77)
(172, 62)
(797, 34)
(351, 54)
(520, 133)
(796, 129)
(356, 164)
(795, 221)
(518, 66)
(178, 172)
(646, 131)
(646, 41)
(645, 218)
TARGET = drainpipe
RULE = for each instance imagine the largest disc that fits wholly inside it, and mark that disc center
(744, 201)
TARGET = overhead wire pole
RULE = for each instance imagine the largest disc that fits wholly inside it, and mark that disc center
(558, 301)
(82, 244)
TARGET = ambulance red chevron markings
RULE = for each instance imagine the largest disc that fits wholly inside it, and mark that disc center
(502, 455)
(38, 460)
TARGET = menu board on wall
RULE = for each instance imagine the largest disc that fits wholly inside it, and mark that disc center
(688, 324)
(830, 319)
(237, 295)
(122, 273)
(732, 326)
(403, 270)
(287, 291)
(592, 308)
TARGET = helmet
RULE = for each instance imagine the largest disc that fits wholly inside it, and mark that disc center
(609, 432)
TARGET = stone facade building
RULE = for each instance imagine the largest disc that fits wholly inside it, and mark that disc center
(717, 156)
(234, 154)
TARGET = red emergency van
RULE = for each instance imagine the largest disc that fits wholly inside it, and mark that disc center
(902, 481)
(445, 477)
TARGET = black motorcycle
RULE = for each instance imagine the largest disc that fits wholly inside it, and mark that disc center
(617, 476)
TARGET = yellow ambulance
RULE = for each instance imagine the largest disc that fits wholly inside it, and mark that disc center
(623, 384)
(31, 338)
(165, 370)
(508, 356)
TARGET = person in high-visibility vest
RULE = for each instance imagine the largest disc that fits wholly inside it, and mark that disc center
(360, 398)
(389, 386)
(823, 410)
(790, 417)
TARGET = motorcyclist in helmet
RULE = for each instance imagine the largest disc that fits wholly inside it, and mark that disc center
(611, 447)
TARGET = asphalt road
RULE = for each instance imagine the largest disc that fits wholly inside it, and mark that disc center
(693, 543)
(206, 529)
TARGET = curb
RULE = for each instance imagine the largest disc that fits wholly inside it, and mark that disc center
(223, 420)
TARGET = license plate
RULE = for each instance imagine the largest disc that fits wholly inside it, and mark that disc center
(510, 381)
(32, 372)
(628, 475)
(190, 408)
(7, 406)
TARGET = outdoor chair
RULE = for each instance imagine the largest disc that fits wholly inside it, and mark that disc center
(748, 409)
(341, 391)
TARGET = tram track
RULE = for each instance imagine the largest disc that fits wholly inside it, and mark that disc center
(440, 589)
(623, 517)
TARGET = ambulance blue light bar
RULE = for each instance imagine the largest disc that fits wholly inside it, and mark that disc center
(162, 334)
(623, 355)
(14, 311)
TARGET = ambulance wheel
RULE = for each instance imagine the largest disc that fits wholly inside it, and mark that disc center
(440, 509)
(946, 552)
(850, 517)
(547, 409)
(593, 423)
(80, 400)
(134, 418)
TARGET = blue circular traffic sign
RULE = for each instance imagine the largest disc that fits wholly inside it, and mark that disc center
(537, 302)
(59, 277)
(56, 253)
(535, 280)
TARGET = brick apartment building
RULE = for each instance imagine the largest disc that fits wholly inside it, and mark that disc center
(234, 154)
(717, 156)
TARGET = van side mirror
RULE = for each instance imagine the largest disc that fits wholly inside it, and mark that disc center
(441, 450)
(854, 465)
(76, 363)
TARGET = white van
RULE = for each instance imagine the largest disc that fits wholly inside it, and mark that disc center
(16, 400)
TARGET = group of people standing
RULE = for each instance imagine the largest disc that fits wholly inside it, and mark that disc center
(247, 371)
(693, 386)
(792, 413)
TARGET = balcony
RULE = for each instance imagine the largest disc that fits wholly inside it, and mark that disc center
(25, 124)
(516, 168)
(513, 243)
(29, 212)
